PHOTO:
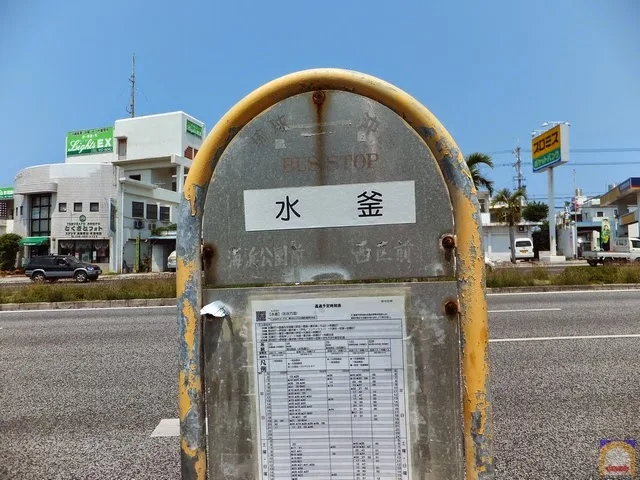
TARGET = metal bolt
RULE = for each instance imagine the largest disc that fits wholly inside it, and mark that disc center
(451, 307)
(318, 98)
(448, 242)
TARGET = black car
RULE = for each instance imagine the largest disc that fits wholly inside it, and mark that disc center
(55, 267)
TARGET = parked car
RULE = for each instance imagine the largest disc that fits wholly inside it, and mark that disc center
(489, 264)
(54, 267)
(524, 249)
(171, 262)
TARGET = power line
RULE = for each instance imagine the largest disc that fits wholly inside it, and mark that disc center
(580, 164)
(578, 150)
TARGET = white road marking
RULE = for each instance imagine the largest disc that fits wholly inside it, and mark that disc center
(572, 337)
(170, 427)
(556, 292)
(527, 310)
(86, 309)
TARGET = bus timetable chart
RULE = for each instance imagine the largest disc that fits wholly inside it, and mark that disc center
(331, 393)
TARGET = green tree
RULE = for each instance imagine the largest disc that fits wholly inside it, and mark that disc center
(9, 247)
(535, 212)
(509, 206)
(474, 162)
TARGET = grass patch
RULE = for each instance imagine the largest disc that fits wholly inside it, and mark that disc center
(509, 277)
(518, 277)
(599, 275)
(150, 288)
(72, 292)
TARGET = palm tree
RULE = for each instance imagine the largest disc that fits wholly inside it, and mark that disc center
(474, 161)
(509, 207)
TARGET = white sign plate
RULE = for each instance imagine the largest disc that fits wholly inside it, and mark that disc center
(330, 376)
(358, 204)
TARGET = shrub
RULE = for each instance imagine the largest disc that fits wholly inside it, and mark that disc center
(509, 277)
(9, 247)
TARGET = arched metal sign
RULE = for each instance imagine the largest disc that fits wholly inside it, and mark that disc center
(339, 328)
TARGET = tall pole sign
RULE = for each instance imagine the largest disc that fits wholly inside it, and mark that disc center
(550, 149)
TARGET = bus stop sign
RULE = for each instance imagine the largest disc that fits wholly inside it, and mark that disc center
(339, 328)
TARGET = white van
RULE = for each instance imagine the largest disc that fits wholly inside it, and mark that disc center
(524, 249)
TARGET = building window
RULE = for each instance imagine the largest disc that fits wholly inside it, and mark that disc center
(20, 210)
(16, 211)
(136, 177)
(122, 148)
(483, 206)
(165, 214)
(85, 250)
(40, 215)
(137, 209)
(152, 211)
(4, 211)
(62, 207)
(94, 207)
(77, 207)
(600, 214)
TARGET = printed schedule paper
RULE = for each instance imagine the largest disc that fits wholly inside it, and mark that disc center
(331, 388)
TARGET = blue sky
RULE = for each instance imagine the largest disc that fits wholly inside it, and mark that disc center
(490, 71)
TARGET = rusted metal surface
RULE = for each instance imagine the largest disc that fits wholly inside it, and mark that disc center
(473, 305)
(451, 307)
(448, 242)
(190, 389)
(469, 257)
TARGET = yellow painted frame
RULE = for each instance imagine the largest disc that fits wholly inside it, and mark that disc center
(469, 255)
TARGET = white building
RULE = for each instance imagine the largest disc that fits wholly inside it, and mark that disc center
(495, 234)
(117, 190)
(65, 209)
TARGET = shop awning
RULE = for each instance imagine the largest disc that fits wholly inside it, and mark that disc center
(33, 241)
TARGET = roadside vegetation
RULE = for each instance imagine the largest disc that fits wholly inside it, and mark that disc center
(153, 288)
(540, 276)
(73, 292)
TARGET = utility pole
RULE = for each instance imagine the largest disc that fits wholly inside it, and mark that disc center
(132, 79)
(519, 177)
(575, 203)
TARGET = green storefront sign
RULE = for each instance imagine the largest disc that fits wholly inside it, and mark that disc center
(85, 142)
(194, 129)
(549, 158)
(6, 193)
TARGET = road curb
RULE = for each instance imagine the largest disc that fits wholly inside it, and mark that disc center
(152, 302)
(566, 288)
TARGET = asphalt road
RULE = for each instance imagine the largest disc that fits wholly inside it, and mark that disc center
(82, 391)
